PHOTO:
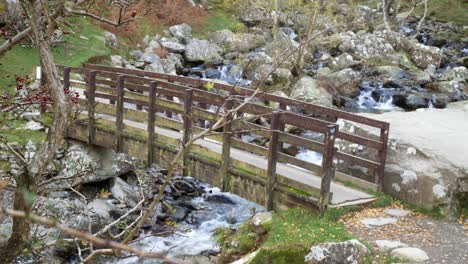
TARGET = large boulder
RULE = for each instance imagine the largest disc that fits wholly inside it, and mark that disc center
(255, 16)
(346, 82)
(374, 49)
(424, 56)
(124, 192)
(242, 42)
(423, 167)
(202, 51)
(173, 46)
(342, 62)
(183, 32)
(348, 252)
(85, 164)
(308, 89)
(457, 73)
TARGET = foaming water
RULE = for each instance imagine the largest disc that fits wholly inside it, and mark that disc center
(196, 234)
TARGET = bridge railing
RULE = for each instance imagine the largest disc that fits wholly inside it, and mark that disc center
(377, 144)
(121, 86)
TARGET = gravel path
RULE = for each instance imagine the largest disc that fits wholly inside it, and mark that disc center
(444, 242)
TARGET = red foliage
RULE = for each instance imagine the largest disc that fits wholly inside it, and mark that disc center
(164, 12)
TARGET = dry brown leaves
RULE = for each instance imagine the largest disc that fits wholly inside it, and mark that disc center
(407, 229)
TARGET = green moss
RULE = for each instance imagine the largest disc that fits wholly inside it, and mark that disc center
(280, 255)
(4, 166)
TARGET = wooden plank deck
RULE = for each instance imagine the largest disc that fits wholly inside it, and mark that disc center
(342, 195)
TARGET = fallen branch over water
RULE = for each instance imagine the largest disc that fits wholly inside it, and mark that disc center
(83, 235)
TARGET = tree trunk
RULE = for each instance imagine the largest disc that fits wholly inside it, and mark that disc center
(39, 23)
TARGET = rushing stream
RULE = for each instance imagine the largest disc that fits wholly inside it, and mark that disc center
(214, 210)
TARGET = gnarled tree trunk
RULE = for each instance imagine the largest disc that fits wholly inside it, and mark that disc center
(26, 183)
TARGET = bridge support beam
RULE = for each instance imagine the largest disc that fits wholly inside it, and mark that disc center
(151, 122)
(272, 159)
(188, 120)
(379, 176)
(120, 113)
(226, 152)
(91, 107)
(328, 170)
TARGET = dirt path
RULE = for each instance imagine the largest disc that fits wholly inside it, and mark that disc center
(444, 242)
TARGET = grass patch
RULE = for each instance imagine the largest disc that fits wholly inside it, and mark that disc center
(447, 11)
(16, 133)
(86, 42)
(218, 19)
(285, 239)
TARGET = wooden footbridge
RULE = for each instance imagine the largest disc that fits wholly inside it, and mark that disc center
(147, 115)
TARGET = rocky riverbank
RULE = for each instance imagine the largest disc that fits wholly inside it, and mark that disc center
(92, 187)
(355, 64)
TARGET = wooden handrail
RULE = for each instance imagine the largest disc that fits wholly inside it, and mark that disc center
(103, 82)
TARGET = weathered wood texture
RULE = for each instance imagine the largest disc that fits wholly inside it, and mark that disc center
(154, 92)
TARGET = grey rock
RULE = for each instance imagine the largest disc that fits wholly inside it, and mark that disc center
(346, 81)
(348, 252)
(91, 164)
(123, 192)
(222, 37)
(396, 212)
(413, 101)
(149, 58)
(261, 218)
(411, 254)
(457, 73)
(152, 46)
(424, 56)
(103, 209)
(116, 60)
(370, 46)
(219, 198)
(181, 32)
(5, 232)
(377, 222)
(342, 62)
(255, 16)
(307, 89)
(136, 54)
(387, 245)
(111, 40)
(33, 125)
(173, 46)
(155, 67)
(202, 51)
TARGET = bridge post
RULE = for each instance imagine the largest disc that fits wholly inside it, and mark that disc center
(151, 121)
(272, 160)
(328, 170)
(281, 127)
(187, 128)
(91, 106)
(382, 156)
(226, 153)
(120, 113)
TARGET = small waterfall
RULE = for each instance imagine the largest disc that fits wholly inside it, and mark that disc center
(370, 91)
